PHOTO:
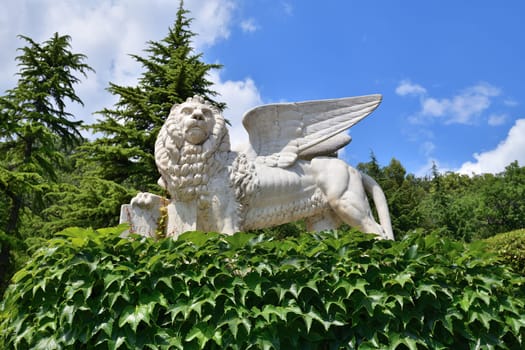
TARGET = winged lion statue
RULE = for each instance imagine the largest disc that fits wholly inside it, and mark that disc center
(288, 172)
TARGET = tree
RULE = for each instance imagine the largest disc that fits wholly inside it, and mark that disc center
(503, 207)
(36, 130)
(124, 154)
(114, 167)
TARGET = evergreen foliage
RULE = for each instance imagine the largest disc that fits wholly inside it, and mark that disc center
(459, 206)
(111, 169)
(36, 133)
(37, 128)
(91, 289)
(511, 247)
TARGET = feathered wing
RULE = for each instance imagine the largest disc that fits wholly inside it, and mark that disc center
(282, 133)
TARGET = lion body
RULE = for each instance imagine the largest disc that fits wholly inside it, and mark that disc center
(215, 189)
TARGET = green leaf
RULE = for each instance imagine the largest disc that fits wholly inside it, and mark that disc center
(67, 314)
(270, 310)
(515, 324)
(197, 237)
(239, 240)
(47, 343)
(202, 332)
(483, 317)
(134, 314)
(407, 339)
(20, 275)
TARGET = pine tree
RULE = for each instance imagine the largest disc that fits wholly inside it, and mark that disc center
(36, 127)
(124, 154)
(114, 167)
(35, 131)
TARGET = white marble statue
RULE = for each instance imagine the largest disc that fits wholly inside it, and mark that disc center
(288, 173)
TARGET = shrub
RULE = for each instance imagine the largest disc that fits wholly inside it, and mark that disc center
(12, 257)
(511, 247)
(91, 289)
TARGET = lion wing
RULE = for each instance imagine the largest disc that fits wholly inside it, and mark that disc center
(282, 133)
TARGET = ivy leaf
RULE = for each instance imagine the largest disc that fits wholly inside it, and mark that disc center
(311, 315)
(202, 332)
(20, 275)
(47, 343)
(407, 339)
(197, 237)
(516, 324)
(67, 314)
(427, 289)
(110, 278)
(400, 279)
(278, 311)
(238, 240)
(483, 317)
(134, 314)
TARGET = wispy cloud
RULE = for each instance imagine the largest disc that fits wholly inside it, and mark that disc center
(495, 161)
(510, 102)
(212, 20)
(240, 96)
(288, 8)
(249, 26)
(463, 108)
(427, 148)
(406, 87)
(497, 119)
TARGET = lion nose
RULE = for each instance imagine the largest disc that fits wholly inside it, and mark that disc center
(197, 115)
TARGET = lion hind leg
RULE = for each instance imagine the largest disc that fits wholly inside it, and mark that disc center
(352, 206)
(344, 190)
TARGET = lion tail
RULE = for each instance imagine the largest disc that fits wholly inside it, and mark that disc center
(373, 189)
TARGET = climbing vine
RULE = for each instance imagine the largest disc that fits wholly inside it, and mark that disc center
(340, 289)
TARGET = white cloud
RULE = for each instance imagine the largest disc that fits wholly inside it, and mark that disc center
(434, 107)
(495, 161)
(288, 8)
(497, 119)
(249, 25)
(212, 20)
(240, 96)
(510, 103)
(107, 32)
(427, 148)
(463, 108)
(406, 87)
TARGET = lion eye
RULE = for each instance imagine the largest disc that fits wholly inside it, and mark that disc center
(187, 110)
(207, 113)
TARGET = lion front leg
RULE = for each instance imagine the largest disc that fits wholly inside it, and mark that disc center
(143, 214)
(182, 217)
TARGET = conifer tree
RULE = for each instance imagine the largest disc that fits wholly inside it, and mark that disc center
(172, 73)
(35, 131)
(112, 168)
(36, 127)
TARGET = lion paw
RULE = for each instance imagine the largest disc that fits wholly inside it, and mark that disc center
(146, 200)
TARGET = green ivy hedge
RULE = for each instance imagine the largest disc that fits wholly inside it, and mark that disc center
(510, 246)
(91, 289)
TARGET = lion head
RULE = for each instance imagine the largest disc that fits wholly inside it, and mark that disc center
(189, 141)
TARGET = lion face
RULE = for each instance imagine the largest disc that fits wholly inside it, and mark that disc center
(193, 135)
(197, 121)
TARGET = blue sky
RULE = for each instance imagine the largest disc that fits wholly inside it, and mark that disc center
(450, 72)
